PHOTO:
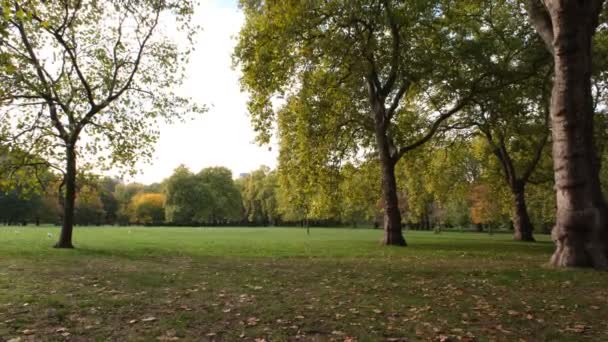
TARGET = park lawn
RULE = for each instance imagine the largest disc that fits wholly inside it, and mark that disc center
(278, 284)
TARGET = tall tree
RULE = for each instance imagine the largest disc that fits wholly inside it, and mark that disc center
(581, 229)
(518, 147)
(90, 78)
(380, 67)
(514, 118)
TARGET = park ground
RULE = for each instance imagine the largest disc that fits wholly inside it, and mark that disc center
(275, 284)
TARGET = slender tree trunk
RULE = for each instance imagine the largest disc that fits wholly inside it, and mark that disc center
(522, 226)
(580, 229)
(65, 238)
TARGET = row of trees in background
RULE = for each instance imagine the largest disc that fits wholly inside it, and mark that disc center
(445, 184)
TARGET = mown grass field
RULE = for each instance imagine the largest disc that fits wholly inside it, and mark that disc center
(246, 284)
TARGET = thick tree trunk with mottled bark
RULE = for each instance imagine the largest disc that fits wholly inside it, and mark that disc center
(580, 229)
(65, 238)
(522, 225)
(580, 222)
(388, 156)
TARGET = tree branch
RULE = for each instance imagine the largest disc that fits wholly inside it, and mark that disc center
(395, 103)
(396, 47)
(540, 19)
(434, 127)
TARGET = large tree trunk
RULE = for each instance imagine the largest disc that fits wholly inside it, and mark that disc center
(392, 216)
(580, 229)
(522, 225)
(65, 238)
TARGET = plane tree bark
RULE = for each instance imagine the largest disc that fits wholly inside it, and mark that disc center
(580, 233)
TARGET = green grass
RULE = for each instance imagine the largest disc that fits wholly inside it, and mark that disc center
(280, 284)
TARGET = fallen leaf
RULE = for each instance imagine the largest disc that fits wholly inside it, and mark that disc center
(443, 338)
(577, 328)
(149, 319)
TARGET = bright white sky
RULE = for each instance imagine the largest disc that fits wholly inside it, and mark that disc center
(223, 136)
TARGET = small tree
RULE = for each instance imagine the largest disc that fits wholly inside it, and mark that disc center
(84, 78)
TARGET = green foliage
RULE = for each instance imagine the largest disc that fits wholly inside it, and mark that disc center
(148, 208)
(210, 196)
(259, 193)
(308, 170)
(123, 193)
(83, 75)
(89, 207)
(359, 193)
(107, 187)
(184, 196)
(224, 202)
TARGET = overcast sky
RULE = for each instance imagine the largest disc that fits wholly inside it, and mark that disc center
(223, 136)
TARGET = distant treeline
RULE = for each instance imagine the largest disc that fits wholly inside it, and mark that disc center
(264, 197)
